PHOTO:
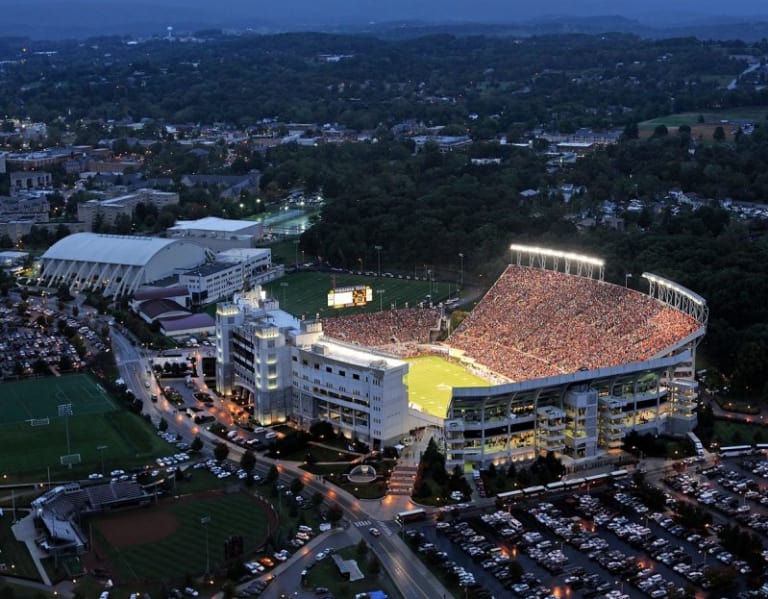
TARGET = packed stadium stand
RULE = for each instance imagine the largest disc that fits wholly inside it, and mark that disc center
(382, 329)
(536, 323)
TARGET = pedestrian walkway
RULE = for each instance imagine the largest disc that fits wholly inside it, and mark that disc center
(24, 531)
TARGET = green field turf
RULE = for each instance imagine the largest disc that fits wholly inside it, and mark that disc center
(183, 552)
(96, 420)
(756, 113)
(431, 379)
(40, 398)
(306, 293)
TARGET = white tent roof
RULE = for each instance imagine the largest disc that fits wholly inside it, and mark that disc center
(108, 249)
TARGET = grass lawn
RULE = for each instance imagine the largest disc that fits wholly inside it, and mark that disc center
(738, 433)
(431, 379)
(14, 554)
(756, 113)
(26, 451)
(306, 293)
(325, 574)
(183, 552)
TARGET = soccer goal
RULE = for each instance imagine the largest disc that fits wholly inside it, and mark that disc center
(70, 460)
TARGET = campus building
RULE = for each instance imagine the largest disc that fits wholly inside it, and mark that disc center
(232, 272)
(286, 368)
(109, 210)
(218, 234)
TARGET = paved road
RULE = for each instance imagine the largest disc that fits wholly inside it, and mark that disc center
(413, 580)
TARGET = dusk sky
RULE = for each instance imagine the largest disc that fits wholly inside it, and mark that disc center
(82, 18)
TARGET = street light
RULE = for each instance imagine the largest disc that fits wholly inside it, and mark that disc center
(378, 249)
(381, 294)
(461, 271)
(283, 285)
(296, 252)
(627, 276)
(101, 449)
(205, 521)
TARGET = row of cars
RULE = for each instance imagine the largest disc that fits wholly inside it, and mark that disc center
(686, 557)
(489, 554)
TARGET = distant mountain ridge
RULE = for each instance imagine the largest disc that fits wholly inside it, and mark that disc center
(79, 19)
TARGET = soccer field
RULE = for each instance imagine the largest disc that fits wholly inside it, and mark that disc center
(40, 398)
(431, 379)
(306, 293)
(33, 436)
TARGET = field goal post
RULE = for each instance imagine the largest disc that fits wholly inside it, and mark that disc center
(39, 421)
(70, 459)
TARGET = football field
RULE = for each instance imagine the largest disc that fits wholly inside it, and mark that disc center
(306, 293)
(431, 379)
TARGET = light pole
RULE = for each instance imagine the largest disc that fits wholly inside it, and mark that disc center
(627, 276)
(205, 521)
(296, 252)
(283, 285)
(101, 449)
(65, 410)
(381, 294)
(461, 271)
(378, 249)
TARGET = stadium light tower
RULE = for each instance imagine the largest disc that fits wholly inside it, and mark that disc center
(205, 521)
(378, 249)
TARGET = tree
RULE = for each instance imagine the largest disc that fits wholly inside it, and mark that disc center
(162, 425)
(248, 461)
(272, 474)
(221, 451)
(334, 513)
(197, 444)
(719, 134)
(296, 486)
(374, 565)
(362, 548)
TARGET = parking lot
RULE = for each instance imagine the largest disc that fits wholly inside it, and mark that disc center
(607, 543)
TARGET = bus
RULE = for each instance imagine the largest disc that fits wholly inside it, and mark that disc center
(508, 498)
(416, 515)
(735, 450)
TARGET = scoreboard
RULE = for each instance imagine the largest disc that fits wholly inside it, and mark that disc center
(348, 297)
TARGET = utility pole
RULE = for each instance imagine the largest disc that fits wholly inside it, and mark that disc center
(205, 521)
(378, 249)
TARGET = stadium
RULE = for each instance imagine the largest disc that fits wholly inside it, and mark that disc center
(553, 358)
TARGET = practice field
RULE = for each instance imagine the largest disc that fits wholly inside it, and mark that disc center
(431, 379)
(306, 293)
(41, 398)
(167, 542)
(33, 436)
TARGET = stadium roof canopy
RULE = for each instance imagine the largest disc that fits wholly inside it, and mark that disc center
(107, 249)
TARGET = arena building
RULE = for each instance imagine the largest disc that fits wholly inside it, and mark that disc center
(116, 264)
(571, 364)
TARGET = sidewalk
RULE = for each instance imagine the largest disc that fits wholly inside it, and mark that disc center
(24, 531)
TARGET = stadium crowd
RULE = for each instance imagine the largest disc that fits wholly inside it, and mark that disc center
(407, 326)
(534, 323)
